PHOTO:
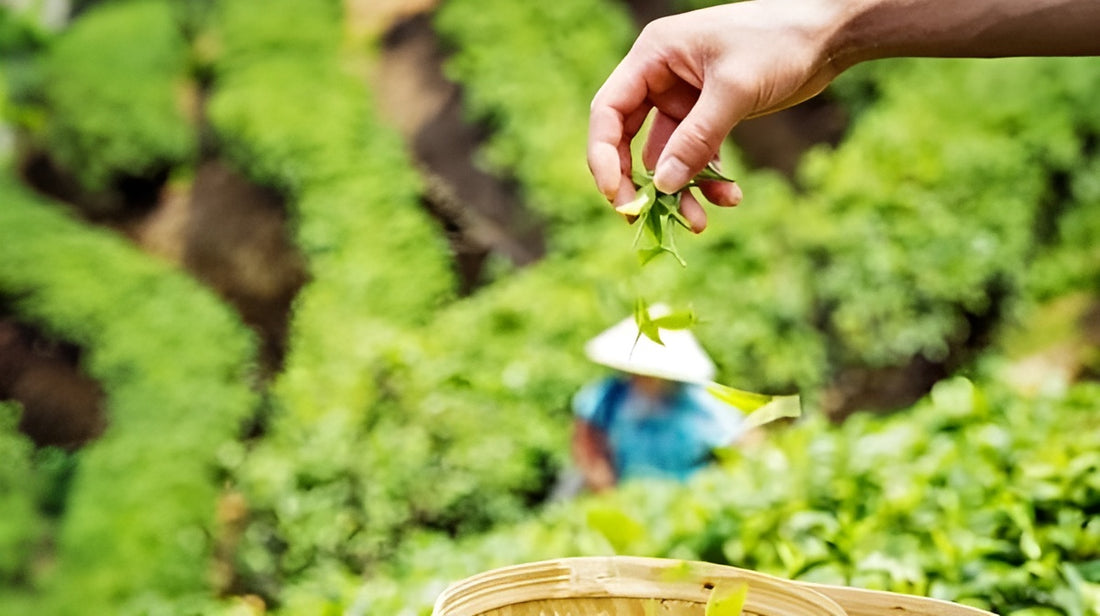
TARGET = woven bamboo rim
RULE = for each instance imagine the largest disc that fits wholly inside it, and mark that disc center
(630, 585)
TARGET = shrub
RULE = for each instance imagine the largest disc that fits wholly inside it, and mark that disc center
(974, 495)
(117, 90)
(175, 364)
(20, 525)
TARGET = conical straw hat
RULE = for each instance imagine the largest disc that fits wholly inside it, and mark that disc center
(681, 358)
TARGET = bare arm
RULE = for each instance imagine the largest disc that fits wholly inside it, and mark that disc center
(592, 457)
(979, 29)
(705, 71)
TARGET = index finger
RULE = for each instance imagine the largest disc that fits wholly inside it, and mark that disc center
(616, 115)
(605, 158)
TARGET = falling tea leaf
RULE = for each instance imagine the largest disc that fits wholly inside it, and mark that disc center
(761, 408)
(651, 327)
(747, 401)
(781, 407)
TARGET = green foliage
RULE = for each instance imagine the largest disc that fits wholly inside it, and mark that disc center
(175, 364)
(302, 123)
(248, 36)
(975, 495)
(902, 242)
(18, 32)
(529, 70)
(913, 236)
(1071, 261)
(117, 92)
(299, 120)
(20, 525)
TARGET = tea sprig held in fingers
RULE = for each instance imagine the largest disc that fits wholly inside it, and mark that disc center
(657, 213)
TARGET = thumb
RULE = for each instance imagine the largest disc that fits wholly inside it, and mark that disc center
(697, 139)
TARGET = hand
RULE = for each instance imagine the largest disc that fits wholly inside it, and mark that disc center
(703, 72)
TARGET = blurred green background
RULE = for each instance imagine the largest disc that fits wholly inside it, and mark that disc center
(293, 295)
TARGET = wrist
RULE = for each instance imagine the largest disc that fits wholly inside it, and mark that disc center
(832, 27)
(856, 31)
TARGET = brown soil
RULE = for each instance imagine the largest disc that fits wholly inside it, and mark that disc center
(62, 406)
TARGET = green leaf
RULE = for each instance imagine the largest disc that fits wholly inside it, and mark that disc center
(644, 200)
(650, 330)
(670, 246)
(746, 401)
(617, 526)
(761, 408)
(650, 327)
(645, 325)
(727, 599)
(646, 255)
(655, 228)
(711, 173)
(682, 319)
(780, 407)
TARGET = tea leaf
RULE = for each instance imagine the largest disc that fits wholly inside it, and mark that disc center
(761, 408)
(646, 255)
(656, 211)
(645, 325)
(711, 173)
(644, 200)
(746, 401)
(683, 319)
(619, 528)
(670, 247)
(780, 407)
(727, 599)
(650, 327)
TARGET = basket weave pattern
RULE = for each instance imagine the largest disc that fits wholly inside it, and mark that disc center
(635, 586)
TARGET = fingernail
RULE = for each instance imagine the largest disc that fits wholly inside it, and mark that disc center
(671, 175)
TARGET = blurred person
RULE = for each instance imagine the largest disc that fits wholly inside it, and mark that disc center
(704, 71)
(652, 418)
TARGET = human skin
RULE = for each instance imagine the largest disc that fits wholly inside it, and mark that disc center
(592, 456)
(700, 73)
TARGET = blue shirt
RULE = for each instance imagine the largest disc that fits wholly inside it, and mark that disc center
(671, 437)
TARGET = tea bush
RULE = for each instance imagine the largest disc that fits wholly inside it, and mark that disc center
(175, 364)
(118, 93)
(21, 525)
(974, 495)
(529, 71)
(289, 111)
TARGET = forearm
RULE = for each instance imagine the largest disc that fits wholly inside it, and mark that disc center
(591, 457)
(872, 29)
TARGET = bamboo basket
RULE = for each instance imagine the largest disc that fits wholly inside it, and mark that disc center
(636, 586)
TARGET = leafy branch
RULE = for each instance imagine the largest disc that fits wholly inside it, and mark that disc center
(658, 212)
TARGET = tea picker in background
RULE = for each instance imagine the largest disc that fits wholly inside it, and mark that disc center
(704, 71)
(652, 419)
